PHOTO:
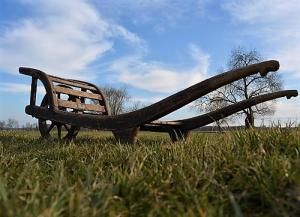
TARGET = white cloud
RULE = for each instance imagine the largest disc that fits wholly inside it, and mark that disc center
(287, 111)
(156, 80)
(263, 11)
(155, 77)
(288, 108)
(61, 37)
(276, 23)
(201, 58)
(19, 88)
(148, 100)
(289, 58)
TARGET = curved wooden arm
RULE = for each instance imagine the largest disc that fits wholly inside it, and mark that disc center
(159, 109)
(43, 77)
(202, 120)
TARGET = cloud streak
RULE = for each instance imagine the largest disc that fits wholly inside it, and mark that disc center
(19, 88)
(290, 107)
(262, 11)
(160, 14)
(277, 24)
(61, 37)
(65, 38)
(274, 22)
(156, 77)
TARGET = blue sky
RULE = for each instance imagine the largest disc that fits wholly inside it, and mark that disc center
(152, 47)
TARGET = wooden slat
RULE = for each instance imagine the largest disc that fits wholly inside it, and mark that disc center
(80, 106)
(33, 91)
(77, 93)
(72, 83)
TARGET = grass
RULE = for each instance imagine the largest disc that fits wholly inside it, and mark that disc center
(242, 173)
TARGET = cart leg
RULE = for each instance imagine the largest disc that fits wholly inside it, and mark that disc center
(127, 136)
(178, 134)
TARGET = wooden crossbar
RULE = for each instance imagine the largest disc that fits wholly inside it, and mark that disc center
(64, 90)
(80, 106)
(72, 83)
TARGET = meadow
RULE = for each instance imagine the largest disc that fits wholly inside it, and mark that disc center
(239, 173)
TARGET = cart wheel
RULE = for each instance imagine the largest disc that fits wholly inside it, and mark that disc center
(47, 127)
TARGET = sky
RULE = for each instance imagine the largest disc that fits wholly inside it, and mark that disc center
(151, 47)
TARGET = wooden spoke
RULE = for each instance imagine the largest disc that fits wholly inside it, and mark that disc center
(66, 127)
(50, 128)
(64, 131)
(72, 133)
(58, 126)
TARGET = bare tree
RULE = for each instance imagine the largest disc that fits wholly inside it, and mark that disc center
(116, 99)
(29, 125)
(242, 89)
(207, 104)
(2, 125)
(119, 100)
(135, 105)
(12, 123)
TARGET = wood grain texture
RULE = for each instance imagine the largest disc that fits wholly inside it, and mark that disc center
(80, 106)
(73, 83)
(59, 89)
(33, 91)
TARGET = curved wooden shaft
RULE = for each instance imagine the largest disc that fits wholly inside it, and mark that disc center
(229, 110)
(186, 125)
(156, 110)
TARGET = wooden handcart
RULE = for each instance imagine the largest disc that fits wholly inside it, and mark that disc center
(70, 104)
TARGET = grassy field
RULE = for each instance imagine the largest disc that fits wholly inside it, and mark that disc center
(242, 173)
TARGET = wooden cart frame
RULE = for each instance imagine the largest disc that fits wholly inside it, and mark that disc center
(68, 103)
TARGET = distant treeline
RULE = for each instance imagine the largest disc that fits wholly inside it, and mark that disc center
(11, 123)
(232, 128)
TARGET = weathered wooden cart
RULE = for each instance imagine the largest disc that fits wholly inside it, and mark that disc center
(70, 104)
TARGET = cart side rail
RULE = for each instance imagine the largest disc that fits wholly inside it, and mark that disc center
(79, 97)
